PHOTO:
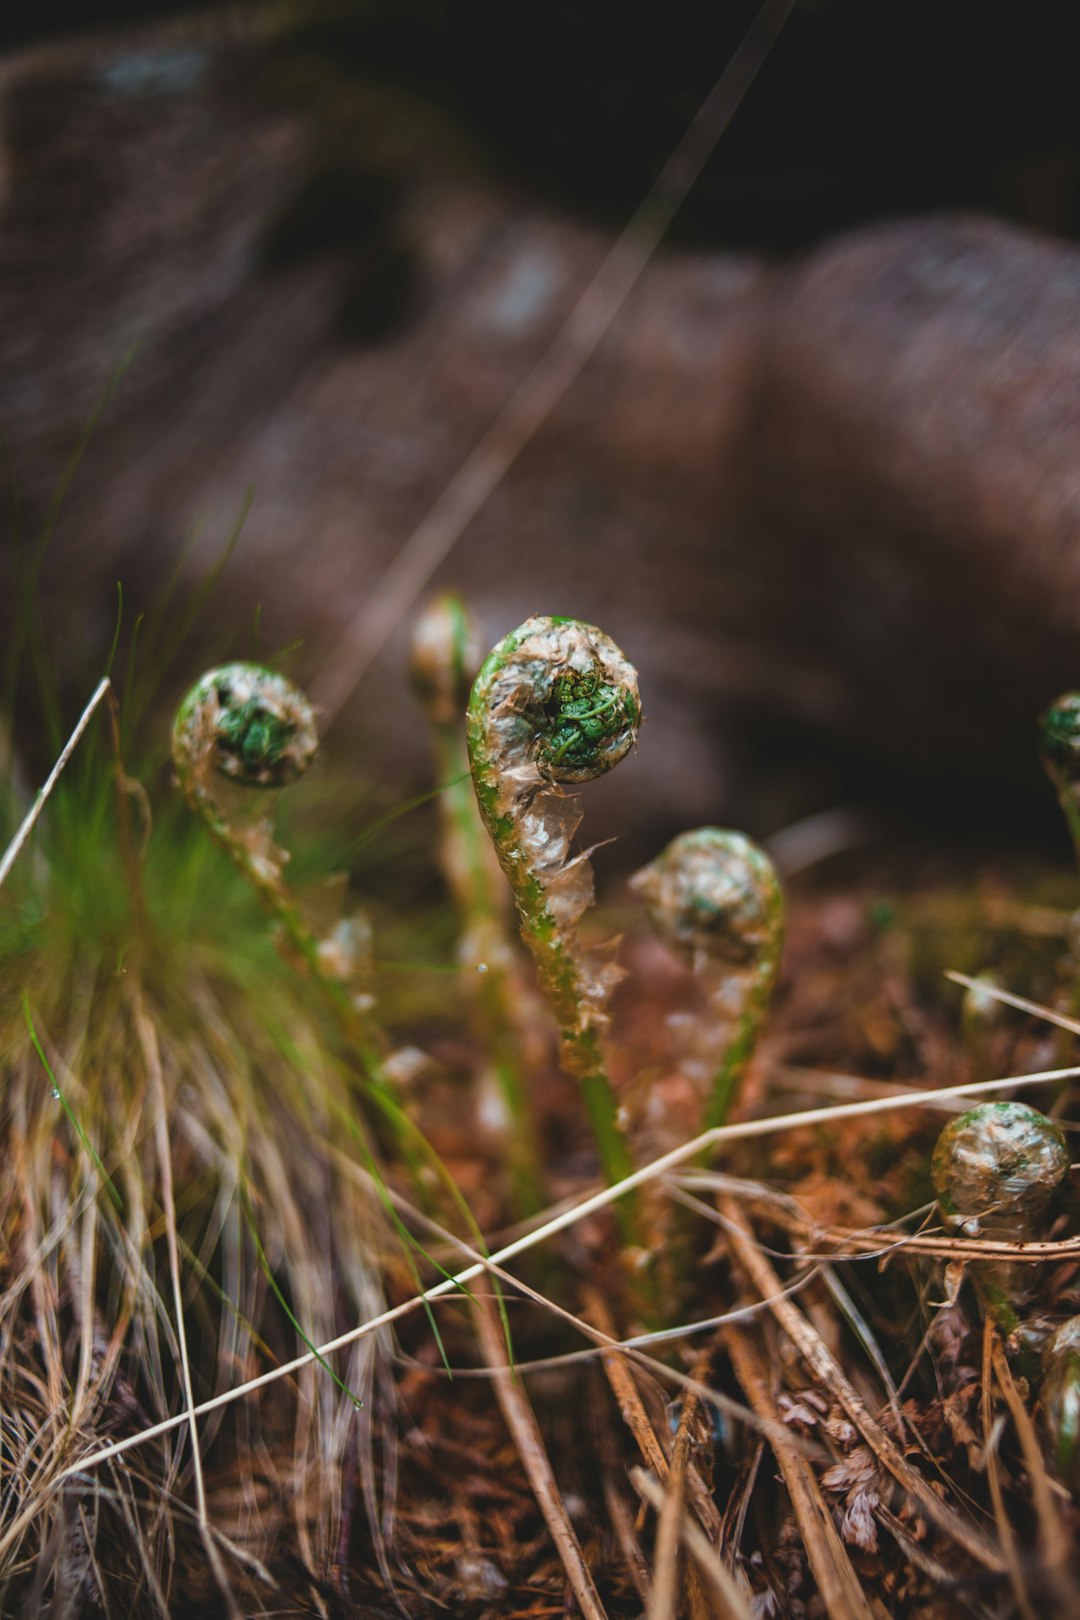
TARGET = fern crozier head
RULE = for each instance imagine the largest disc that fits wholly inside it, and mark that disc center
(444, 656)
(246, 723)
(1060, 1400)
(996, 1168)
(714, 893)
(558, 698)
(1059, 736)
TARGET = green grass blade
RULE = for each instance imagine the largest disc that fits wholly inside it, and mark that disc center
(76, 1126)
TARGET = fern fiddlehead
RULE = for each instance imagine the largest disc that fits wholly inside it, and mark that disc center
(556, 704)
(715, 898)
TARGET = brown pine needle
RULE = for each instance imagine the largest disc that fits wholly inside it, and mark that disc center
(991, 1438)
(729, 1601)
(840, 1589)
(621, 1378)
(664, 1602)
(520, 1419)
(565, 1220)
(1053, 1538)
(618, 1509)
(827, 1370)
(1021, 1003)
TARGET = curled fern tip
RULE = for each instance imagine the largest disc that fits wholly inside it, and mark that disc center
(246, 723)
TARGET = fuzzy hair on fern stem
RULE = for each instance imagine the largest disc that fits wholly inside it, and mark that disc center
(714, 897)
(445, 657)
(556, 704)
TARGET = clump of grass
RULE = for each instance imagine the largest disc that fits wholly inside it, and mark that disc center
(192, 1187)
(200, 1097)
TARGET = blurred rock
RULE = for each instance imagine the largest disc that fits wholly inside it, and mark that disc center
(831, 509)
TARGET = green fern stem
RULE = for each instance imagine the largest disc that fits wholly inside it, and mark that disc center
(249, 725)
(556, 702)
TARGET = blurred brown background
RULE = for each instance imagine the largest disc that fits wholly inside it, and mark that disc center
(820, 480)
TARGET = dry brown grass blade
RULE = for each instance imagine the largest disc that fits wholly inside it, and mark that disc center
(733, 1520)
(626, 1393)
(663, 1604)
(728, 1602)
(826, 1369)
(664, 1599)
(873, 1242)
(1052, 1534)
(609, 1465)
(850, 1242)
(148, 1042)
(623, 1387)
(914, 1552)
(521, 1421)
(568, 1217)
(837, 1582)
(11, 854)
(623, 1524)
(1021, 1003)
(991, 1435)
